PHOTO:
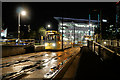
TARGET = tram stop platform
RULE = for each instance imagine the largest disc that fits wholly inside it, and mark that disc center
(88, 65)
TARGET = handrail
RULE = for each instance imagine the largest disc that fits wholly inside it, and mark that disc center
(92, 44)
(104, 47)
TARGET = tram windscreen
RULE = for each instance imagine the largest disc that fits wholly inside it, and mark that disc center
(52, 37)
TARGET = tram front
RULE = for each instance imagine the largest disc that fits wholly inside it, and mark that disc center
(52, 40)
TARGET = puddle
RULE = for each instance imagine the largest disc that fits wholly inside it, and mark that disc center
(33, 56)
(12, 63)
(17, 62)
(28, 67)
(55, 58)
(46, 55)
(59, 55)
(48, 64)
(8, 74)
(40, 67)
(39, 61)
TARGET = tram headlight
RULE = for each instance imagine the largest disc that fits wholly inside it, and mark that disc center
(45, 44)
(53, 44)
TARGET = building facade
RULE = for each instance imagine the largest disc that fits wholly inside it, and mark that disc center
(76, 29)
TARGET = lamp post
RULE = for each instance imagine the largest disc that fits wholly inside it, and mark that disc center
(19, 14)
(99, 14)
(73, 33)
(62, 33)
(89, 24)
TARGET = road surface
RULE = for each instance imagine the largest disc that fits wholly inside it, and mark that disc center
(37, 65)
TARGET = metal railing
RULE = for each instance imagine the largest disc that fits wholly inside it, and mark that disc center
(114, 43)
(17, 42)
(102, 51)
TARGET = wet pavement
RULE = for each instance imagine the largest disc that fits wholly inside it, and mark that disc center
(39, 65)
(91, 67)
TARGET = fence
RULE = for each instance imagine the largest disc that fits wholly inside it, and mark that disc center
(103, 52)
(17, 42)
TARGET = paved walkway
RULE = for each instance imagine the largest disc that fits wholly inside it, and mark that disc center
(90, 66)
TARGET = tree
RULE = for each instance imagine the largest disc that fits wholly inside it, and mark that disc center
(41, 31)
(32, 34)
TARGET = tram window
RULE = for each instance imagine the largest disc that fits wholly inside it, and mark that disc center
(50, 37)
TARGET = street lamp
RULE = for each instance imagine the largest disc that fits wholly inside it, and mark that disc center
(99, 12)
(23, 13)
(90, 24)
(73, 33)
(49, 26)
(19, 14)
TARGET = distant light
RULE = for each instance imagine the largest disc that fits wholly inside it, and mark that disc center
(90, 24)
(24, 44)
(45, 44)
(16, 40)
(23, 13)
(64, 24)
(50, 33)
(72, 37)
(111, 25)
(104, 20)
(54, 54)
(86, 38)
(49, 26)
(59, 42)
(46, 54)
(20, 41)
(53, 44)
(65, 39)
(104, 42)
(60, 30)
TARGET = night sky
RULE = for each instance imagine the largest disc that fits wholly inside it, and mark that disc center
(42, 13)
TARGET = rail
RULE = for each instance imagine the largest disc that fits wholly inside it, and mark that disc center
(102, 51)
(114, 43)
(17, 42)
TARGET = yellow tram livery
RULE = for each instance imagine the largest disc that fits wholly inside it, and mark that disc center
(52, 40)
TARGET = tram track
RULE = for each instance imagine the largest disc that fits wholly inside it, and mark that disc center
(39, 64)
(26, 69)
(20, 61)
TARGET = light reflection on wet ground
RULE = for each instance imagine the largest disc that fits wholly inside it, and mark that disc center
(45, 63)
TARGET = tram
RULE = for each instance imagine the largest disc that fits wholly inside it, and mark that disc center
(53, 41)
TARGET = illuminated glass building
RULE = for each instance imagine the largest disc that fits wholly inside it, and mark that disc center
(80, 26)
